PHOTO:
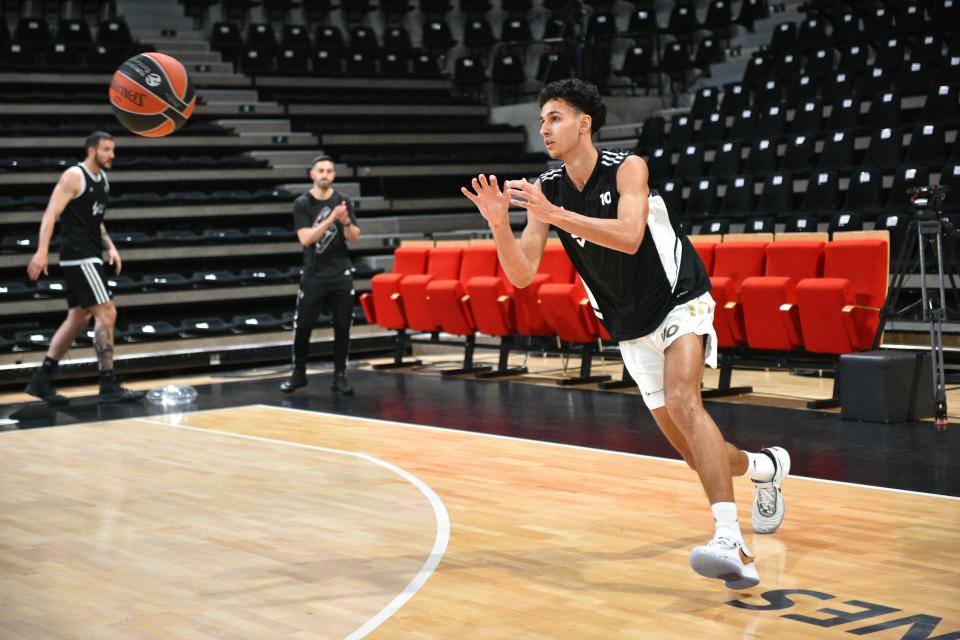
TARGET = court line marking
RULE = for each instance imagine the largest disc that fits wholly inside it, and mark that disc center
(582, 448)
(439, 510)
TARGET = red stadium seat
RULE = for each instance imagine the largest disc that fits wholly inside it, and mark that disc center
(444, 263)
(770, 312)
(705, 247)
(383, 305)
(449, 302)
(733, 263)
(840, 312)
(567, 310)
(555, 267)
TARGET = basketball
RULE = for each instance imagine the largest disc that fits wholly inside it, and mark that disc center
(152, 95)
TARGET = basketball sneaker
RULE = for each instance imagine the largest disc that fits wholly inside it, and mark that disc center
(726, 559)
(768, 506)
(41, 386)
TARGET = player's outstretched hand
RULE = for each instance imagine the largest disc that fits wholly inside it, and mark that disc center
(492, 203)
(530, 197)
(38, 264)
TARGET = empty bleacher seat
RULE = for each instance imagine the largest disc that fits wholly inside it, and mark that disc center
(840, 312)
(771, 316)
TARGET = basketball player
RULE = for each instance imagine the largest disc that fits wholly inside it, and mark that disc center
(325, 222)
(78, 201)
(650, 290)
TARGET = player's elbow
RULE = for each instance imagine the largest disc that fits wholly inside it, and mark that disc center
(632, 244)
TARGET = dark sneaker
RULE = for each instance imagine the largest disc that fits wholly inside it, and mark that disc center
(340, 385)
(297, 380)
(43, 388)
(113, 392)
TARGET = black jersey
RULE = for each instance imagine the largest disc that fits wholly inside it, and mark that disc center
(329, 257)
(631, 294)
(80, 237)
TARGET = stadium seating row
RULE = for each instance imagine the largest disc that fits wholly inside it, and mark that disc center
(823, 297)
(789, 294)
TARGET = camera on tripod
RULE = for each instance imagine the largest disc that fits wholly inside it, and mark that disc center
(927, 200)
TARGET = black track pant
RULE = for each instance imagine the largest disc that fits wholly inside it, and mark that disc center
(317, 296)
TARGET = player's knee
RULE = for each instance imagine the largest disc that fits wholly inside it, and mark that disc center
(682, 404)
(107, 314)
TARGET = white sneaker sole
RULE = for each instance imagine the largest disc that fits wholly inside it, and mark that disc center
(734, 573)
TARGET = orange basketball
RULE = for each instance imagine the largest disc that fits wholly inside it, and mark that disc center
(152, 95)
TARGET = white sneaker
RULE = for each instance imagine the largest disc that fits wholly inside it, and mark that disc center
(768, 506)
(726, 559)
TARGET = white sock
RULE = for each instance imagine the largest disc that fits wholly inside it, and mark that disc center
(725, 517)
(760, 467)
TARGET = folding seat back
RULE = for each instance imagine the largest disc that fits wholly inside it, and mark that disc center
(763, 156)
(845, 113)
(865, 191)
(799, 153)
(705, 247)
(768, 93)
(567, 310)
(736, 98)
(928, 144)
(443, 263)
(726, 160)
(738, 197)
(295, 36)
(703, 198)
(658, 164)
(690, 162)
(886, 147)
(733, 263)
(712, 128)
(837, 150)
(447, 299)
(705, 101)
(821, 63)
(822, 193)
(681, 131)
(651, 135)
(772, 121)
(555, 267)
(807, 117)
(884, 110)
(744, 124)
(942, 103)
(840, 312)
(771, 318)
(777, 196)
(383, 305)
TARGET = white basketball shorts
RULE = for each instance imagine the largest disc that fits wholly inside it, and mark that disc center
(643, 357)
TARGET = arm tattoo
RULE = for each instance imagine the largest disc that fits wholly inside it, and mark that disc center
(103, 347)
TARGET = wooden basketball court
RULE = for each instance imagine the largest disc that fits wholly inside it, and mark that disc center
(266, 522)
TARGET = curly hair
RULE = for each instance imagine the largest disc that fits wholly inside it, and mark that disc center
(581, 95)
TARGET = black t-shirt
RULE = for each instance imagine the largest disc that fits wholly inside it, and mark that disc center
(631, 294)
(328, 258)
(80, 221)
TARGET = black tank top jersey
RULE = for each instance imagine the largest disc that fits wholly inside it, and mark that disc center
(631, 294)
(80, 221)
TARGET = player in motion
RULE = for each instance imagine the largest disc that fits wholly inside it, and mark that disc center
(650, 290)
(79, 201)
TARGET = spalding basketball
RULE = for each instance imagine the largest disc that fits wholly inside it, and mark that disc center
(152, 95)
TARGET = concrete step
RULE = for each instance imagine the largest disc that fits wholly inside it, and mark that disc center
(255, 126)
(194, 58)
(154, 35)
(178, 47)
(350, 189)
(209, 68)
(229, 95)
